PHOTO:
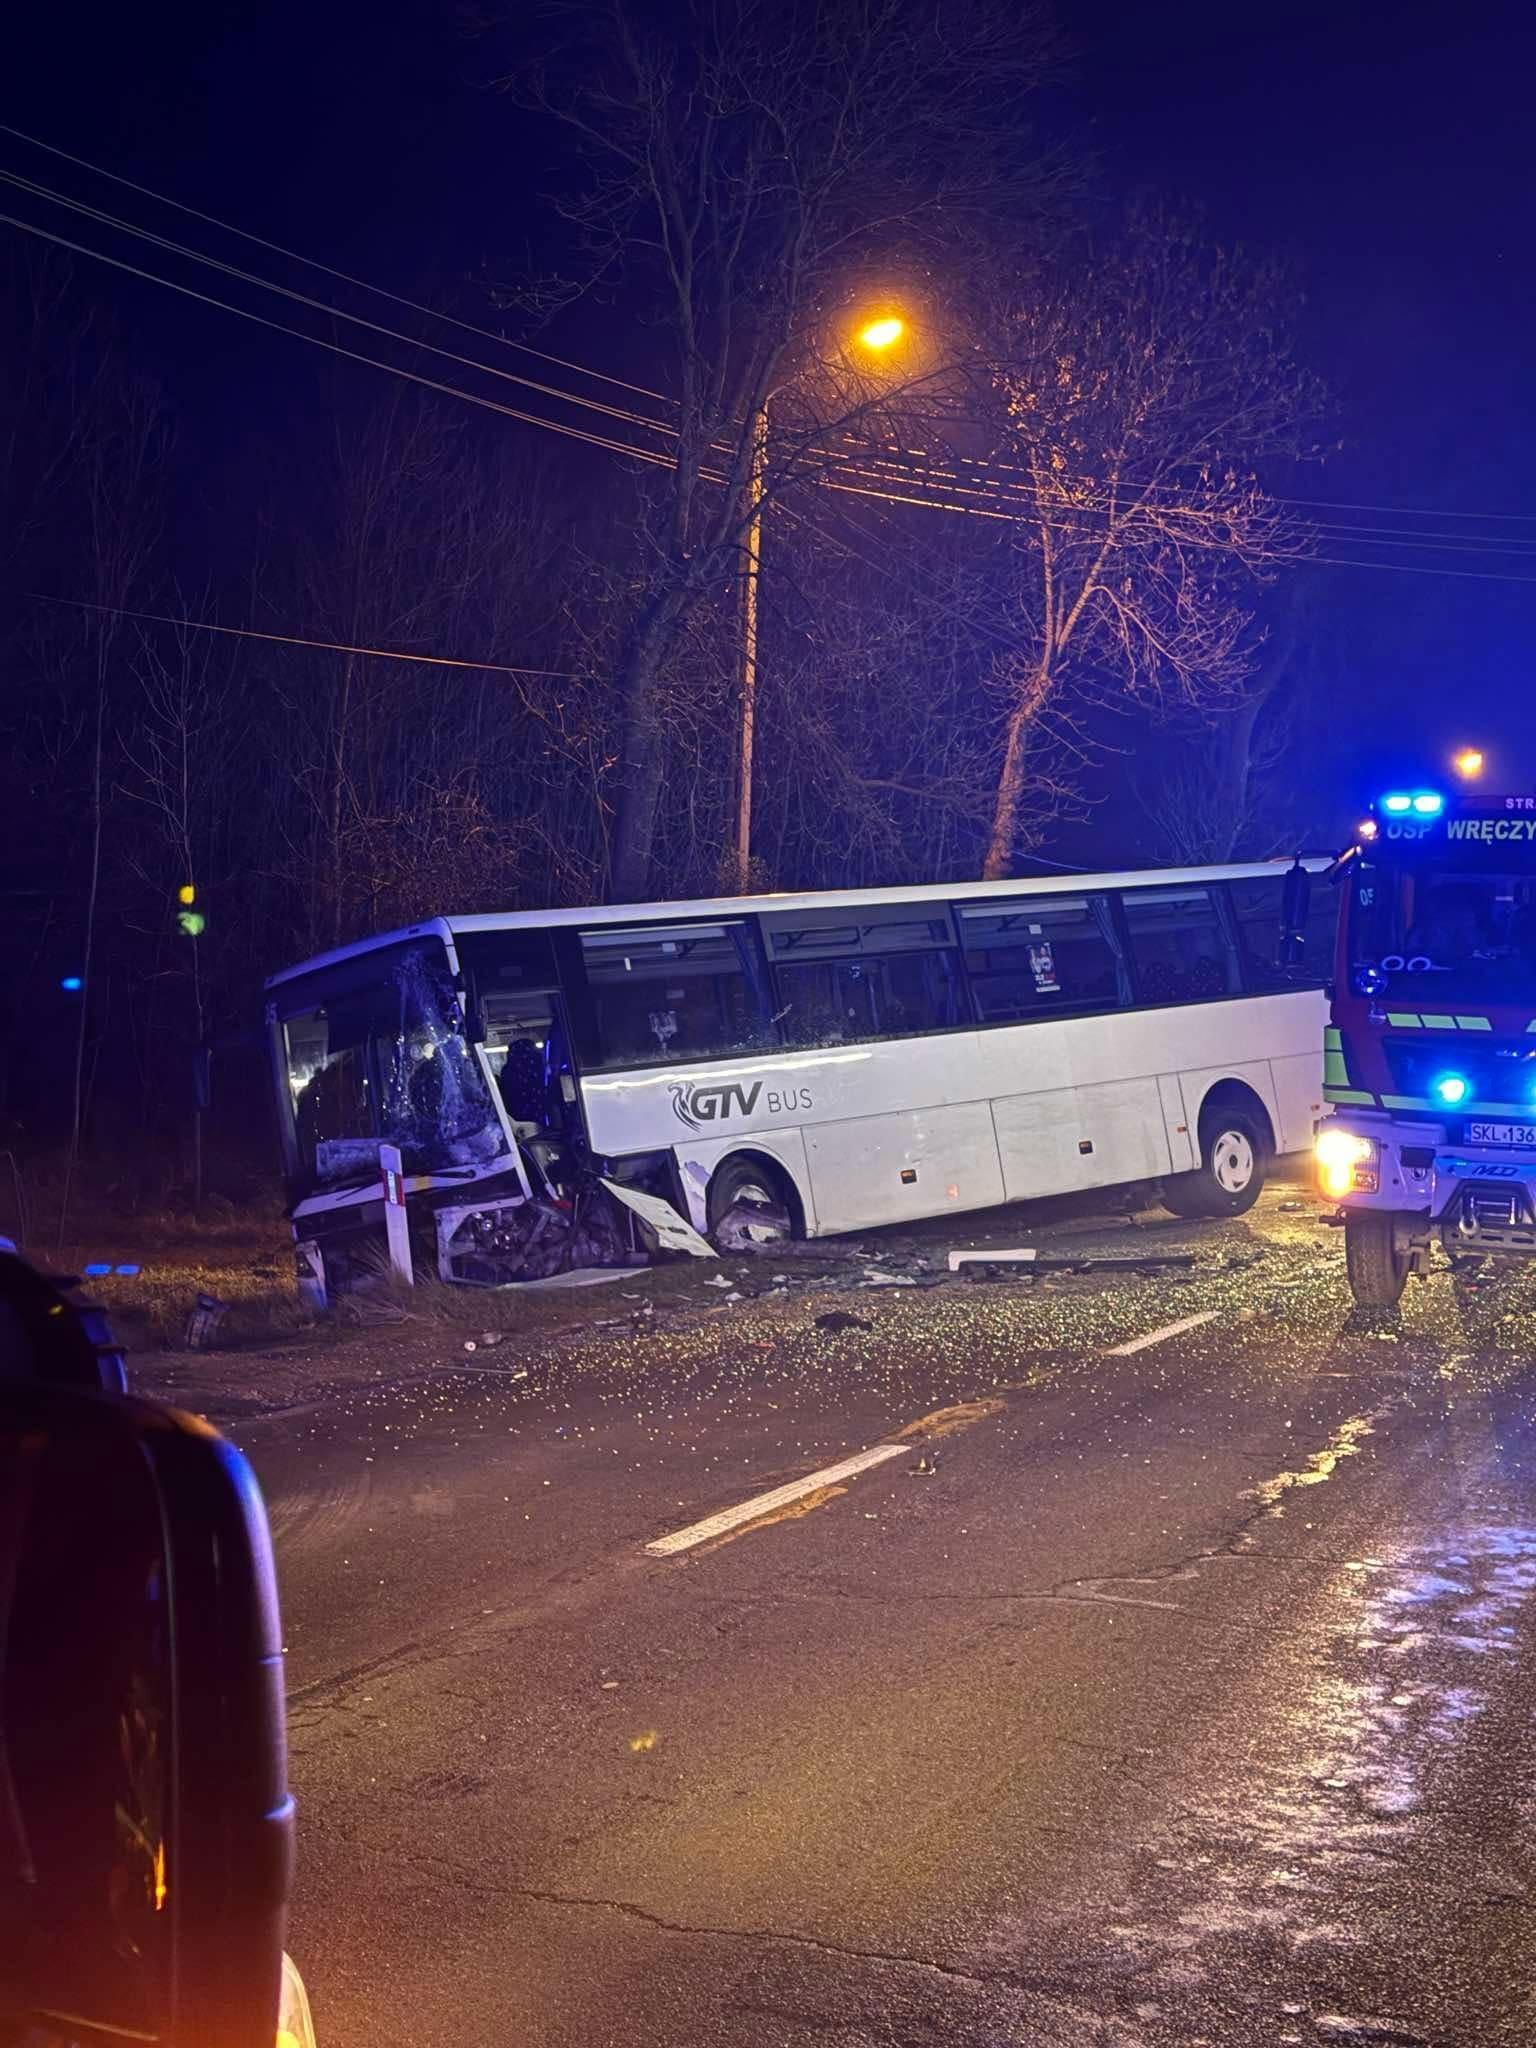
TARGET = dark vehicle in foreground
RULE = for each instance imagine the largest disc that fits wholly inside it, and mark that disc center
(146, 1832)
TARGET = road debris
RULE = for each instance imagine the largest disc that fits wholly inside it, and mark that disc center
(664, 1229)
(752, 1227)
(203, 1323)
(994, 1265)
(840, 1319)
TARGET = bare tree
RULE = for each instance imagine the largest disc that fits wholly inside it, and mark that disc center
(1219, 785)
(180, 756)
(750, 173)
(123, 454)
(398, 788)
(876, 768)
(1145, 387)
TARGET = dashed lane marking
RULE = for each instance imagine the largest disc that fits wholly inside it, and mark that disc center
(1206, 1315)
(770, 1503)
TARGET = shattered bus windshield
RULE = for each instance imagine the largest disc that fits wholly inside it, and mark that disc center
(1445, 934)
(375, 1052)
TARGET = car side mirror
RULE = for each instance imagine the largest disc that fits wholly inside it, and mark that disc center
(146, 1830)
(1295, 903)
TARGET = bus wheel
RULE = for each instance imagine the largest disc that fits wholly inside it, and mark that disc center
(1378, 1270)
(746, 1186)
(1233, 1157)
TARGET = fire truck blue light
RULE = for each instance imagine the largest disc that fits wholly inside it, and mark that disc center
(1424, 803)
(1451, 1089)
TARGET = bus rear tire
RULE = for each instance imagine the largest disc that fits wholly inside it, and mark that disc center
(1377, 1268)
(1234, 1156)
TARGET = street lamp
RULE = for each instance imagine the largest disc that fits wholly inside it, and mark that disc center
(875, 336)
(883, 333)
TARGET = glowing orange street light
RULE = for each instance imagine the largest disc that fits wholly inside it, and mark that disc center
(883, 333)
(1469, 763)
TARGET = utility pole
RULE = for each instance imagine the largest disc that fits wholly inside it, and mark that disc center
(748, 663)
(876, 336)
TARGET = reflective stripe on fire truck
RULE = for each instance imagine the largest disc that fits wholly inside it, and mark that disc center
(1410, 1020)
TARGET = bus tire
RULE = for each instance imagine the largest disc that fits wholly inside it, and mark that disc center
(1377, 1268)
(1234, 1157)
(746, 1177)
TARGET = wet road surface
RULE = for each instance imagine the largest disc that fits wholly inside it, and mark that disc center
(1179, 1696)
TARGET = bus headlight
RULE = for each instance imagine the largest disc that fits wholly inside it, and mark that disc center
(1346, 1162)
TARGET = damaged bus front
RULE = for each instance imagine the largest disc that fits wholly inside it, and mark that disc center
(376, 1046)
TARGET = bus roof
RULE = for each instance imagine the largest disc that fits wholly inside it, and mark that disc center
(818, 899)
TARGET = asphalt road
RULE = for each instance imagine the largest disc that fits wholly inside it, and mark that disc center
(1188, 1700)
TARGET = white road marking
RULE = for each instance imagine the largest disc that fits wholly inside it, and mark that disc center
(769, 1503)
(1206, 1315)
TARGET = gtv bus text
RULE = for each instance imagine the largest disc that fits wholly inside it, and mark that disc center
(708, 1102)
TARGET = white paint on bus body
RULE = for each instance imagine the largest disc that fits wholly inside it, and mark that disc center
(903, 1128)
(893, 1130)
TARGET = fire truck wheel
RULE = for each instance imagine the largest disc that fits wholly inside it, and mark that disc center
(1378, 1270)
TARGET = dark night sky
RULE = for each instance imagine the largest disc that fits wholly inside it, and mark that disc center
(1385, 151)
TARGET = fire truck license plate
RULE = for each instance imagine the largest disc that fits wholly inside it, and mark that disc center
(1521, 1135)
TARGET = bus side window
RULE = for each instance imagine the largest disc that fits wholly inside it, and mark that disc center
(674, 993)
(1040, 956)
(1178, 948)
(891, 995)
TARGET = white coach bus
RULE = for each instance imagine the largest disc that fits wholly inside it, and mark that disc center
(854, 1059)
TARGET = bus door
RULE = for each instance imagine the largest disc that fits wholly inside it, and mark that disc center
(522, 1024)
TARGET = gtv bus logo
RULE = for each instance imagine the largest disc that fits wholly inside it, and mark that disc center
(710, 1102)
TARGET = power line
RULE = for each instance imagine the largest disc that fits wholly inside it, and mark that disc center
(1323, 504)
(942, 479)
(119, 611)
(319, 341)
(311, 263)
(620, 383)
(628, 450)
(890, 468)
(128, 227)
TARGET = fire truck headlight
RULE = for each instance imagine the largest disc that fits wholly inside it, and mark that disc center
(1345, 1160)
(1451, 1089)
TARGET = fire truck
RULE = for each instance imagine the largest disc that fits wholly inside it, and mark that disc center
(1430, 1053)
